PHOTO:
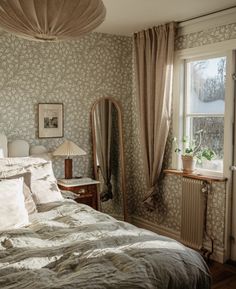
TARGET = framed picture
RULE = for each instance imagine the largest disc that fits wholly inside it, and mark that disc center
(50, 120)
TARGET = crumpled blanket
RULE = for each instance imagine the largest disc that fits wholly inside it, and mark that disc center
(71, 246)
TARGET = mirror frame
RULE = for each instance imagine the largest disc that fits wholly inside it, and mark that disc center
(120, 126)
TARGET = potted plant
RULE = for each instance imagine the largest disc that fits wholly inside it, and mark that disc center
(192, 152)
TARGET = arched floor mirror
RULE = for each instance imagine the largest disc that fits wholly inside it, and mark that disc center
(108, 153)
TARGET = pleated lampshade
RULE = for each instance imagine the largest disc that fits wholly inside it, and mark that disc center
(69, 148)
(51, 20)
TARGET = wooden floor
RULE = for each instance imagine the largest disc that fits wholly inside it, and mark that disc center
(224, 276)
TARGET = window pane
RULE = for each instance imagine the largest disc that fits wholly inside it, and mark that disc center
(206, 86)
(213, 138)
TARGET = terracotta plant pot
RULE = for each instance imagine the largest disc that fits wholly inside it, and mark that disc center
(188, 163)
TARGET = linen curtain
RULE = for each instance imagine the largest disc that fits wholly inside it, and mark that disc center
(154, 54)
(103, 134)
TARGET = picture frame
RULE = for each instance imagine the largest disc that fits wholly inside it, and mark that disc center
(50, 120)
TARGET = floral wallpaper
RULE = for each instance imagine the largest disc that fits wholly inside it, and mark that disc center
(208, 36)
(76, 73)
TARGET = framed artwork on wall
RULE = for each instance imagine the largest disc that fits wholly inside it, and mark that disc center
(50, 120)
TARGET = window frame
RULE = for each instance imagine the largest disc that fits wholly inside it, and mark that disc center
(187, 115)
(179, 88)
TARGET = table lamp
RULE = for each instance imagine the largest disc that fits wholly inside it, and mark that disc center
(68, 149)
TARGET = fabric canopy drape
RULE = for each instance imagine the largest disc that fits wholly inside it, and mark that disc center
(103, 134)
(154, 53)
(51, 20)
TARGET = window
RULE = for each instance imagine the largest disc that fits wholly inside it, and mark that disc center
(204, 106)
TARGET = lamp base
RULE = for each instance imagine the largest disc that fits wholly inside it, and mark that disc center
(68, 168)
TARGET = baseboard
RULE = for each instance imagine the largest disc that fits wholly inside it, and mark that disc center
(231, 262)
(141, 223)
(218, 254)
(117, 217)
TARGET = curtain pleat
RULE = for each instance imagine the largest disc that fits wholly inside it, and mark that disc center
(154, 54)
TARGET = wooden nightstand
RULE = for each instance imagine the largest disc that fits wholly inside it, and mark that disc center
(85, 188)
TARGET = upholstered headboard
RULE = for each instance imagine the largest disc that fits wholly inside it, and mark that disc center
(18, 148)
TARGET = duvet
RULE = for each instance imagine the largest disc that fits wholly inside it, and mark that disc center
(71, 246)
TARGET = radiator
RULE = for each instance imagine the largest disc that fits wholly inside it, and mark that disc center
(193, 213)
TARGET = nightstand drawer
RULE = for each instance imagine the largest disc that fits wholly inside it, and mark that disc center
(87, 193)
(76, 189)
(87, 199)
(79, 190)
(92, 188)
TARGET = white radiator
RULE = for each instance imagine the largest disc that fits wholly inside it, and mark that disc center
(193, 213)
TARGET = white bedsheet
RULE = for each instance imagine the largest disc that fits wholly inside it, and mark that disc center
(70, 246)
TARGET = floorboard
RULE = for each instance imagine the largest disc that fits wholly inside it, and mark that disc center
(223, 275)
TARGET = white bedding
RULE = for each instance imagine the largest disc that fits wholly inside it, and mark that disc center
(71, 246)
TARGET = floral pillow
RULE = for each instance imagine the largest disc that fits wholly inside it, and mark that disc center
(18, 165)
(44, 184)
(29, 202)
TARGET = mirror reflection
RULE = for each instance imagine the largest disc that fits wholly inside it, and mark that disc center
(108, 157)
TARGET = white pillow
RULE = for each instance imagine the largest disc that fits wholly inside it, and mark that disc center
(29, 202)
(12, 207)
(1, 153)
(44, 184)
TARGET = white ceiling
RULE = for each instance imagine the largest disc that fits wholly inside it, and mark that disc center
(128, 16)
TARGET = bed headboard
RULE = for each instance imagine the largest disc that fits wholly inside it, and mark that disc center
(18, 148)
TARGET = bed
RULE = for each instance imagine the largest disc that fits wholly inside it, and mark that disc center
(69, 245)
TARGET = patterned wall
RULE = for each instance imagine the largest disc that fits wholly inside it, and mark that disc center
(209, 36)
(75, 73)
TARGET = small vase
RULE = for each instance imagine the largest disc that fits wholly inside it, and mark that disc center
(188, 163)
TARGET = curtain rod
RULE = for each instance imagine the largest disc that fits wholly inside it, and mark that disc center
(207, 14)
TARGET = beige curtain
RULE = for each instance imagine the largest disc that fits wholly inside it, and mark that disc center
(154, 51)
(103, 134)
(50, 20)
